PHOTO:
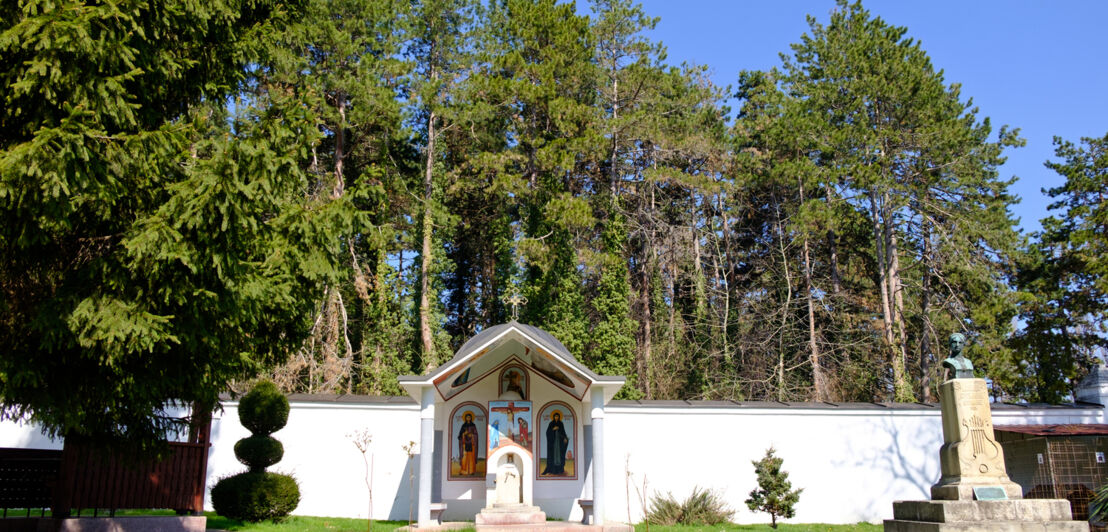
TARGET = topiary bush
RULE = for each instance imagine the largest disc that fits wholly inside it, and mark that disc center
(256, 495)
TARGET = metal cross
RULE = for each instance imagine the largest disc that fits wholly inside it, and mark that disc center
(515, 300)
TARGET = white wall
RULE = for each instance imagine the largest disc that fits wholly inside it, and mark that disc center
(852, 462)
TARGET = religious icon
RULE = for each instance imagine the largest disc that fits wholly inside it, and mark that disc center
(513, 383)
(467, 454)
(556, 448)
(509, 422)
(547, 367)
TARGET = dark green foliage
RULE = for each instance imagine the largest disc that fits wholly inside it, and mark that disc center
(1098, 507)
(259, 451)
(256, 496)
(774, 494)
(264, 410)
(149, 252)
(1062, 281)
(703, 507)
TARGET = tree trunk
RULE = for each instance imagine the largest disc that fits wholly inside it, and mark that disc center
(427, 344)
(646, 319)
(340, 146)
(780, 371)
(896, 292)
(833, 248)
(880, 257)
(925, 313)
(819, 383)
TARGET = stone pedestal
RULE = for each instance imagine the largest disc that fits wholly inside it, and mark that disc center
(970, 455)
(972, 465)
(1011, 515)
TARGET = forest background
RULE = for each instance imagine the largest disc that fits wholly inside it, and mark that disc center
(333, 193)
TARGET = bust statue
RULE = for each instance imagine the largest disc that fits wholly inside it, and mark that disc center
(963, 368)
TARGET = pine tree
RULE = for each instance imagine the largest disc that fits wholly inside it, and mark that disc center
(774, 494)
(1061, 277)
(347, 72)
(919, 165)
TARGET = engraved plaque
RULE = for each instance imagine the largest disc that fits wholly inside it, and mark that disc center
(989, 493)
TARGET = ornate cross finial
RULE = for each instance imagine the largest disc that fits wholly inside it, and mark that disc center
(515, 300)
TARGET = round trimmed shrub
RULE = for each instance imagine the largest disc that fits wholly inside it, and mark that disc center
(264, 409)
(259, 452)
(256, 496)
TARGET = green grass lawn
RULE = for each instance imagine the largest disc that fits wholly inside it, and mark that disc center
(297, 523)
(343, 524)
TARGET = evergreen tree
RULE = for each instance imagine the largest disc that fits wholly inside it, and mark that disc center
(612, 342)
(341, 59)
(439, 45)
(922, 168)
(1062, 280)
(540, 67)
(149, 254)
(774, 494)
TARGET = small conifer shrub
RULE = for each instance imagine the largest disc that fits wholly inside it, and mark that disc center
(255, 494)
(774, 494)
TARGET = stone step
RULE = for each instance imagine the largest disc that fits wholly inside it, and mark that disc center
(979, 511)
(530, 516)
(898, 525)
(555, 526)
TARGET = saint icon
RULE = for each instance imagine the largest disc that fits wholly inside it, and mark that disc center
(557, 443)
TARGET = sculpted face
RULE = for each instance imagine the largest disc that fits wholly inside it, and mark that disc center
(957, 342)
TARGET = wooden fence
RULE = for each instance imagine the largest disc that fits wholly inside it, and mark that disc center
(90, 480)
(79, 477)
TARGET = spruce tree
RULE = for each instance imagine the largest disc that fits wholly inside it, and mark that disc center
(152, 246)
(774, 494)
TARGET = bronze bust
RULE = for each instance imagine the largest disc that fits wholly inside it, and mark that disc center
(963, 368)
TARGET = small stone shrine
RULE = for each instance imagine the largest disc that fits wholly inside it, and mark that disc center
(512, 431)
(974, 492)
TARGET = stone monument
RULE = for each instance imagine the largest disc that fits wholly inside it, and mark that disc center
(974, 491)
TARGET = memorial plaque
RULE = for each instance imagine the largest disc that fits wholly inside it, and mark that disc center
(989, 493)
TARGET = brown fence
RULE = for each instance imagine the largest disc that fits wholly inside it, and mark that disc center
(81, 478)
(94, 480)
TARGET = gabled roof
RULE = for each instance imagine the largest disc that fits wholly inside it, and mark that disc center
(540, 349)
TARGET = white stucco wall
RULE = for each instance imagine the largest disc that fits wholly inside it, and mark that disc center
(852, 462)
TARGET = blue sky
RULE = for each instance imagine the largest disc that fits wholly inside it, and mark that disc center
(1035, 65)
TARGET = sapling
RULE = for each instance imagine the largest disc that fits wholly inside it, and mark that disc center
(362, 439)
(774, 494)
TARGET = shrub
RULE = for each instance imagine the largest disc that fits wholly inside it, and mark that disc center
(264, 409)
(1098, 507)
(703, 507)
(259, 452)
(774, 494)
(256, 496)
